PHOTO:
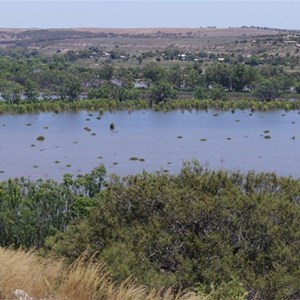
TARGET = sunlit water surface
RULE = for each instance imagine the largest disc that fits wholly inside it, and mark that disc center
(77, 142)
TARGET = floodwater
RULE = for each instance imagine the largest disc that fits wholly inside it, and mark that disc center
(78, 142)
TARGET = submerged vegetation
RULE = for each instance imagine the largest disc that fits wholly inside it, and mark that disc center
(102, 105)
(112, 126)
(40, 138)
(211, 232)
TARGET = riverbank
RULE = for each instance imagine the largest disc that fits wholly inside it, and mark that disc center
(102, 105)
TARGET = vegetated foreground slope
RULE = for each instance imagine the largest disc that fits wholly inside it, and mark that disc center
(211, 232)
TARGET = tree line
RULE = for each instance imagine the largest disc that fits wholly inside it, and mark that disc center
(33, 77)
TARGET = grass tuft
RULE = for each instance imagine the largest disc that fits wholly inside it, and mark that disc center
(42, 278)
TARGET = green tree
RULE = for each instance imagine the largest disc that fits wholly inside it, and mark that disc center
(190, 77)
(267, 89)
(11, 91)
(31, 90)
(153, 71)
(102, 92)
(32, 211)
(200, 93)
(285, 83)
(70, 88)
(125, 94)
(219, 74)
(161, 91)
(217, 92)
(175, 76)
(242, 76)
(106, 72)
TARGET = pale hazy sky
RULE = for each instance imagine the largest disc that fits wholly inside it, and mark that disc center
(122, 13)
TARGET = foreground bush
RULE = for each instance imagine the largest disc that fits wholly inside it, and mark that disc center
(194, 229)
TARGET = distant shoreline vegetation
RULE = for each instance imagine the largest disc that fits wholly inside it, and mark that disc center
(103, 105)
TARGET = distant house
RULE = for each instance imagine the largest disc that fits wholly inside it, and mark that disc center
(140, 84)
(182, 56)
(116, 82)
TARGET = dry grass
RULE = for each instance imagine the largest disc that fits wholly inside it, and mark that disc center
(52, 280)
(211, 32)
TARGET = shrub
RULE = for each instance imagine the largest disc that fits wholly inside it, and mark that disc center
(40, 138)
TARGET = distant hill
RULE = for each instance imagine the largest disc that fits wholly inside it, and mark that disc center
(136, 39)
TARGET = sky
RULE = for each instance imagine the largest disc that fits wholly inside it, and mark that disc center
(155, 13)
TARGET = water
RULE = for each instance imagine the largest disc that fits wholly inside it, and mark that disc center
(164, 140)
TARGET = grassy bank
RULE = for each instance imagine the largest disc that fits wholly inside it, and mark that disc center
(113, 105)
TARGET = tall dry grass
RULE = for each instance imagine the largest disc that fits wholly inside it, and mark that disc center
(50, 279)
